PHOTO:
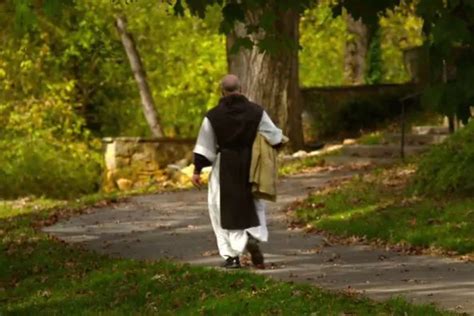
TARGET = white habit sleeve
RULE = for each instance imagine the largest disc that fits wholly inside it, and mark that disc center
(206, 143)
(273, 134)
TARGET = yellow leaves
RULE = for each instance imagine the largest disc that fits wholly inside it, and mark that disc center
(323, 39)
(26, 65)
(51, 115)
(413, 23)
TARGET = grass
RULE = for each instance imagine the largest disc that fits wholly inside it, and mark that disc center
(379, 206)
(376, 138)
(449, 166)
(300, 165)
(307, 163)
(40, 275)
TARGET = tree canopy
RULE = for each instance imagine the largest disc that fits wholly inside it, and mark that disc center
(448, 28)
(87, 91)
(449, 31)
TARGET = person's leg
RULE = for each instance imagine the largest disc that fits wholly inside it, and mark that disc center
(223, 239)
(237, 241)
(222, 235)
(238, 238)
(260, 232)
(257, 234)
(256, 254)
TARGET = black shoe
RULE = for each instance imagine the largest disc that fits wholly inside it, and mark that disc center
(255, 253)
(232, 263)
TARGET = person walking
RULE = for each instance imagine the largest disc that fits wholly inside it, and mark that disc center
(225, 142)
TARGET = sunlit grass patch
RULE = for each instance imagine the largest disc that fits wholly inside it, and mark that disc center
(381, 206)
(449, 166)
(375, 138)
(300, 165)
(309, 162)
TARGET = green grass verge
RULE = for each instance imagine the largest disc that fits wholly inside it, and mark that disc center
(449, 166)
(379, 206)
(40, 275)
(300, 165)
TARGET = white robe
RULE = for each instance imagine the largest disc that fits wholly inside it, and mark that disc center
(231, 243)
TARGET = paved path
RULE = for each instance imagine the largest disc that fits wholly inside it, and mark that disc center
(176, 225)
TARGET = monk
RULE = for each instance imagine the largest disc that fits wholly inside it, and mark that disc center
(225, 143)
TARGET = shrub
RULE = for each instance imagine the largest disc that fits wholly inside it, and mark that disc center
(44, 168)
(449, 167)
(45, 147)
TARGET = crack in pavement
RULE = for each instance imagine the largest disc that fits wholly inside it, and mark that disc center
(176, 226)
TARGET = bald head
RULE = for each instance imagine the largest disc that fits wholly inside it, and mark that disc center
(230, 84)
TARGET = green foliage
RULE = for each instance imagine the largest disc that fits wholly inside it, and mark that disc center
(87, 88)
(72, 52)
(449, 25)
(449, 167)
(44, 146)
(374, 61)
(375, 138)
(41, 168)
(378, 206)
(44, 149)
(322, 38)
(182, 67)
(262, 32)
(300, 165)
(400, 28)
(272, 41)
(368, 11)
(185, 58)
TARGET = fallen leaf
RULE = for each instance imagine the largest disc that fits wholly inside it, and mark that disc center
(44, 293)
(209, 253)
(158, 277)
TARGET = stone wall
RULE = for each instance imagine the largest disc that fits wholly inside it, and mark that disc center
(342, 111)
(137, 163)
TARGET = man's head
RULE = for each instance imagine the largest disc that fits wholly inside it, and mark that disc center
(230, 84)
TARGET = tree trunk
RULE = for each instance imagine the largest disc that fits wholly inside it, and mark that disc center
(356, 51)
(271, 79)
(140, 77)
